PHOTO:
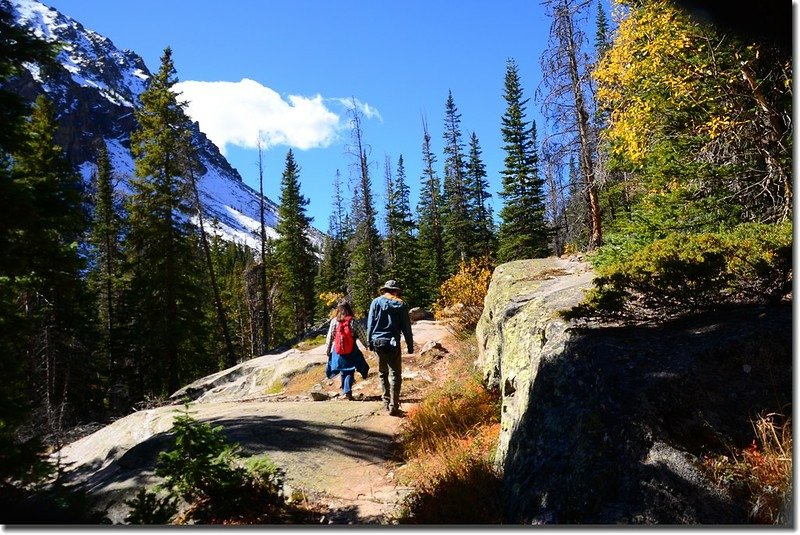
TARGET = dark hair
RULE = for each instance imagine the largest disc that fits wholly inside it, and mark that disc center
(343, 309)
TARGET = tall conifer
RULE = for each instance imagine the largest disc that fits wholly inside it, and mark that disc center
(365, 246)
(105, 278)
(523, 233)
(408, 267)
(431, 230)
(402, 262)
(481, 210)
(295, 254)
(333, 268)
(56, 297)
(20, 461)
(167, 288)
(459, 231)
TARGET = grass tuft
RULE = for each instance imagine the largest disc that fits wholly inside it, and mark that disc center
(761, 473)
(448, 442)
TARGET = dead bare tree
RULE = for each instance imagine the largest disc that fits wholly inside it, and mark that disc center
(568, 100)
(265, 309)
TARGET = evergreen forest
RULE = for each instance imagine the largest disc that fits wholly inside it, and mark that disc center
(665, 159)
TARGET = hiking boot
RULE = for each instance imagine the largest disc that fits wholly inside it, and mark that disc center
(396, 412)
(349, 396)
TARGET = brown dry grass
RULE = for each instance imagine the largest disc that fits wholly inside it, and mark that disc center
(303, 382)
(448, 442)
(761, 473)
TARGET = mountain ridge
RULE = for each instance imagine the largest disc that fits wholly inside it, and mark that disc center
(95, 88)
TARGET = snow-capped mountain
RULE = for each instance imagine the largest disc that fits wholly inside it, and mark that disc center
(94, 91)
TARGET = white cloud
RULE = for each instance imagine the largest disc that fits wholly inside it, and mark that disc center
(368, 111)
(236, 113)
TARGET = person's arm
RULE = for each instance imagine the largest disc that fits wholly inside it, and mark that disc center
(329, 337)
(371, 318)
(360, 333)
(405, 322)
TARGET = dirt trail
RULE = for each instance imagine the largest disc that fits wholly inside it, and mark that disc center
(335, 453)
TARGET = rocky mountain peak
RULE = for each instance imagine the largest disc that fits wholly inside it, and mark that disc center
(95, 89)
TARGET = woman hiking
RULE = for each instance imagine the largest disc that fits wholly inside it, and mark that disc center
(344, 356)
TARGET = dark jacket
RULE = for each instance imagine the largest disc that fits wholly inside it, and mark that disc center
(388, 319)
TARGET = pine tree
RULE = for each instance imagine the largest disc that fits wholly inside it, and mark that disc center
(402, 255)
(167, 287)
(295, 254)
(523, 233)
(481, 210)
(393, 224)
(459, 231)
(105, 277)
(19, 461)
(365, 246)
(601, 39)
(431, 231)
(266, 275)
(55, 297)
(332, 277)
(231, 261)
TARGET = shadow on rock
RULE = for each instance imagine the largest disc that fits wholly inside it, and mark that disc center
(616, 424)
(259, 434)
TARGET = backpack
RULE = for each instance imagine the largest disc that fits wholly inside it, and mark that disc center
(343, 337)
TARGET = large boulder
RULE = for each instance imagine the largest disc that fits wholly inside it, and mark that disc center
(606, 423)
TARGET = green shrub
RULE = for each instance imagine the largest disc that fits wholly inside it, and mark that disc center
(749, 264)
(150, 508)
(204, 470)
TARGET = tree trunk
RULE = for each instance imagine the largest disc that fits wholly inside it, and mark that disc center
(265, 331)
(774, 138)
(221, 316)
(582, 116)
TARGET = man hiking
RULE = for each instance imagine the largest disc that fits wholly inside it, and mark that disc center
(388, 318)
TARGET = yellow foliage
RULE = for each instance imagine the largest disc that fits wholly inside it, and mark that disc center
(462, 294)
(330, 299)
(661, 60)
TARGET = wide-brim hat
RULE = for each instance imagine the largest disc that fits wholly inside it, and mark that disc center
(390, 285)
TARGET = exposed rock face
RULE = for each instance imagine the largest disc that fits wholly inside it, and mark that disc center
(337, 450)
(419, 314)
(250, 380)
(605, 424)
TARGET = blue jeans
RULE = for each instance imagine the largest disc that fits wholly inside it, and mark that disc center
(348, 377)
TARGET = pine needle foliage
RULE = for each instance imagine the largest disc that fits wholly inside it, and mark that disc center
(203, 470)
(523, 231)
(167, 289)
(430, 210)
(295, 255)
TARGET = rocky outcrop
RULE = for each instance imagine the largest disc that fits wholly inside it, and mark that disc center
(333, 451)
(251, 380)
(606, 423)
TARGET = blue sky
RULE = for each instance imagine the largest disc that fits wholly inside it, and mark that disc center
(285, 69)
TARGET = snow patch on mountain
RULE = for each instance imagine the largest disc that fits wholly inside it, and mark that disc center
(96, 93)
